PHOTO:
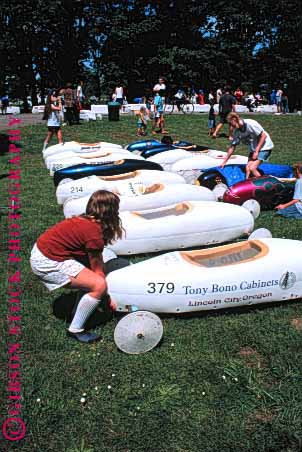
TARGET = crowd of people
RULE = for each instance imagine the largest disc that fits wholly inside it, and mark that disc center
(250, 99)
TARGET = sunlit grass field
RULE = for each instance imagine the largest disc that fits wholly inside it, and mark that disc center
(219, 382)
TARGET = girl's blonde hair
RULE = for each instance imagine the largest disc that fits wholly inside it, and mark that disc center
(233, 115)
(103, 207)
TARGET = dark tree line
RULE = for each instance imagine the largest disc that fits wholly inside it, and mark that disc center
(205, 43)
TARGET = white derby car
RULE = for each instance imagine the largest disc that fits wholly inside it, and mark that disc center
(141, 197)
(81, 148)
(184, 225)
(191, 168)
(122, 183)
(246, 273)
(56, 164)
(87, 155)
(167, 158)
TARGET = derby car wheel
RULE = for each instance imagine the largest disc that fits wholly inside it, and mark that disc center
(253, 206)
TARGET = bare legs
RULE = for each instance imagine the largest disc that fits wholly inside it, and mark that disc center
(252, 169)
(49, 135)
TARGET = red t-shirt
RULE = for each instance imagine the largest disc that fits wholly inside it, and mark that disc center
(72, 238)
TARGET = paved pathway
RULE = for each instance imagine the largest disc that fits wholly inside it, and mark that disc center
(26, 118)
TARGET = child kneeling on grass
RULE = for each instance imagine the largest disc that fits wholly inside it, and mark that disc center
(56, 257)
(293, 208)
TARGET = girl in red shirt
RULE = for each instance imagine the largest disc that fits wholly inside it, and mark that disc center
(57, 254)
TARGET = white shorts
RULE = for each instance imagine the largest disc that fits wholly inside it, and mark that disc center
(53, 274)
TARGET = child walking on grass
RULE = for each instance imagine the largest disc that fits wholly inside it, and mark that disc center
(53, 109)
(211, 120)
(142, 122)
(58, 257)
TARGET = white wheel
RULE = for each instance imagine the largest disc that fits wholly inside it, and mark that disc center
(253, 206)
(261, 233)
(188, 108)
(219, 191)
(138, 332)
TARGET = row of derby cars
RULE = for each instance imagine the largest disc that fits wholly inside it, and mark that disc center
(166, 204)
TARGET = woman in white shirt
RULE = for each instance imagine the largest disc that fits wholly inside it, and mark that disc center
(119, 93)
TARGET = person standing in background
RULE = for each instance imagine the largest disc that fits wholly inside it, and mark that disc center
(80, 94)
(279, 94)
(200, 97)
(53, 109)
(4, 104)
(119, 94)
(211, 97)
(284, 103)
(273, 97)
(159, 120)
(69, 102)
(218, 95)
(160, 88)
(238, 95)
(227, 104)
(211, 120)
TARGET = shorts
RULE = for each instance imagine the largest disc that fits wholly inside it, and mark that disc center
(290, 212)
(223, 117)
(119, 100)
(211, 123)
(263, 155)
(53, 129)
(53, 274)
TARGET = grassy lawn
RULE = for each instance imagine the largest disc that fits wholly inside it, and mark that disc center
(222, 382)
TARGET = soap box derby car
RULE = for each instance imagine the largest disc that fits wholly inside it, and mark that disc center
(231, 174)
(105, 169)
(267, 190)
(239, 274)
(149, 148)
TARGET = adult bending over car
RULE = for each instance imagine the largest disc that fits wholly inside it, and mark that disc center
(251, 133)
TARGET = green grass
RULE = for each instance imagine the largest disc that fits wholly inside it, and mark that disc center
(218, 382)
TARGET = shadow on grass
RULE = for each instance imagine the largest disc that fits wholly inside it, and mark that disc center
(64, 306)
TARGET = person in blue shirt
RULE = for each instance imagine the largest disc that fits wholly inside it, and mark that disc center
(159, 120)
(4, 104)
(293, 208)
(273, 97)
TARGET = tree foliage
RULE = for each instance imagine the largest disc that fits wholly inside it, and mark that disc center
(204, 43)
